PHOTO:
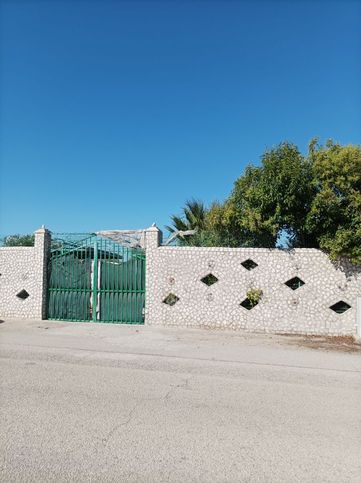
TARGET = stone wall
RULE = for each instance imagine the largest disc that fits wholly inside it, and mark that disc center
(209, 287)
(176, 295)
(23, 278)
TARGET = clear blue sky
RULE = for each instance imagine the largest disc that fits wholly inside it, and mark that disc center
(114, 113)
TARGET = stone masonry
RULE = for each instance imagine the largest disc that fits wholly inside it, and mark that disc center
(209, 287)
(176, 295)
(23, 277)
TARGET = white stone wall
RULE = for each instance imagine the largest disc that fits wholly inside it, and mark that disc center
(306, 310)
(24, 268)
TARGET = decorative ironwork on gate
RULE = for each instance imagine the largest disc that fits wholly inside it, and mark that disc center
(92, 278)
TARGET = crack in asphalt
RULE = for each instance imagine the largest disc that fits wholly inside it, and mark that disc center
(111, 433)
(184, 385)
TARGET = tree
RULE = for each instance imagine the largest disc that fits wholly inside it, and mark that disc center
(334, 217)
(247, 212)
(219, 223)
(19, 241)
(192, 218)
(273, 200)
(302, 201)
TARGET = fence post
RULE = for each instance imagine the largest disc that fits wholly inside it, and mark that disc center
(95, 284)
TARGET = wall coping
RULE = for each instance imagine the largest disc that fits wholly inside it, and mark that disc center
(245, 249)
(16, 248)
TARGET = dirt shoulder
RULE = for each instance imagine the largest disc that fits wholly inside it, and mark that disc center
(338, 344)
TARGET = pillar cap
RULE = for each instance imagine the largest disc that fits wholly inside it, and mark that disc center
(41, 230)
(153, 228)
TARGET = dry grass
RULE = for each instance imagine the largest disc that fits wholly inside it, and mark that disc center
(337, 343)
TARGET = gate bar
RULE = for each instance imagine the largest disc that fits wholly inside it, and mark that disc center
(95, 282)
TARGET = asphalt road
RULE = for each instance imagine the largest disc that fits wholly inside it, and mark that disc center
(104, 403)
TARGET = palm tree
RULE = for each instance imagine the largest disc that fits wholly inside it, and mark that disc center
(193, 217)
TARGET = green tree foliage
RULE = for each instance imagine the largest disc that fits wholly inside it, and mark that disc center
(274, 199)
(220, 221)
(303, 201)
(193, 218)
(19, 241)
(334, 217)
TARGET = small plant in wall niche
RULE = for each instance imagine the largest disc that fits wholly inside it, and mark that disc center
(254, 295)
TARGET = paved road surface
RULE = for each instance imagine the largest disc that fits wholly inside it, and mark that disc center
(105, 403)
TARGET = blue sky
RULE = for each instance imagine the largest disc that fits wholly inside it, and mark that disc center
(114, 113)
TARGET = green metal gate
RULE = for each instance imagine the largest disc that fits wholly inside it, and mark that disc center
(96, 279)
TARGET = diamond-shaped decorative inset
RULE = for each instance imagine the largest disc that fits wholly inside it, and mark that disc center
(248, 304)
(209, 279)
(340, 307)
(294, 283)
(23, 294)
(171, 299)
(249, 264)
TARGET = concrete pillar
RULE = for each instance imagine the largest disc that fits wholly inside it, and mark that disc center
(153, 239)
(42, 253)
